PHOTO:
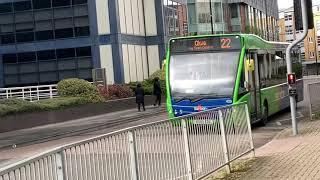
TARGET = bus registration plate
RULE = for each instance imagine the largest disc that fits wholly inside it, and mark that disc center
(201, 121)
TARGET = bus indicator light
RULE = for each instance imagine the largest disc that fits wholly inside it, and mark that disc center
(291, 79)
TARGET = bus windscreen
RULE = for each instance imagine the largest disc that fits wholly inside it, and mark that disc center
(203, 75)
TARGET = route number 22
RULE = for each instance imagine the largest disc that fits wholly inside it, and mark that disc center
(225, 43)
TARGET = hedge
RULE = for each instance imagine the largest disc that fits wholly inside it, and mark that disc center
(15, 106)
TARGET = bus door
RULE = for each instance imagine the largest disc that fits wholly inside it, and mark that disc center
(254, 81)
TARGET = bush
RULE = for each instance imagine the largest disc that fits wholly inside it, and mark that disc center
(79, 88)
(148, 86)
(160, 74)
(116, 91)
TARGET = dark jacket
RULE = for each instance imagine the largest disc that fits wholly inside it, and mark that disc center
(139, 95)
(157, 88)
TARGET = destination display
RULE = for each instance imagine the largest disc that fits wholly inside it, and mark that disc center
(205, 44)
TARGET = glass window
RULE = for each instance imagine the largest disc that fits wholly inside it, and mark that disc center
(46, 55)
(218, 11)
(20, 27)
(27, 57)
(234, 10)
(82, 31)
(22, 6)
(63, 23)
(44, 35)
(9, 58)
(7, 39)
(25, 37)
(40, 4)
(43, 15)
(5, 8)
(81, 21)
(83, 51)
(196, 76)
(6, 18)
(44, 25)
(64, 33)
(79, 1)
(58, 3)
(65, 53)
(6, 28)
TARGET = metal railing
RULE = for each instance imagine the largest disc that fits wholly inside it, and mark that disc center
(314, 98)
(30, 93)
(189, 147)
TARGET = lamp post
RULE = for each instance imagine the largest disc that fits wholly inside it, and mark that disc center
(211, 16)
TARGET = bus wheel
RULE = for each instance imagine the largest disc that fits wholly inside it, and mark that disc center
(265, 112)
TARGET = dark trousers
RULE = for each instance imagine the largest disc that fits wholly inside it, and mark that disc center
(158, 100)
(139, 105)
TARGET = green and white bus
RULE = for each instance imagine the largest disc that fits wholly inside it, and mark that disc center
(210, 71)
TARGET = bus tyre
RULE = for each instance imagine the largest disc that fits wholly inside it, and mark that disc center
(265, 112)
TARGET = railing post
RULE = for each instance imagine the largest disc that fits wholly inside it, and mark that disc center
(30, 93)
(23, 94)
(133, 156)
(7, 93)
(60, 167)
(187, 148)
(38, 93)
(224, 142)
(51, 94)
(249, 129)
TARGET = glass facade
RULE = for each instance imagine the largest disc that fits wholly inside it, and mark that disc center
(44, 20)
(233, 16)
(48, 66)
(38, 20)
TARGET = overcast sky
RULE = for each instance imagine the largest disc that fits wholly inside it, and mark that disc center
(289, 3)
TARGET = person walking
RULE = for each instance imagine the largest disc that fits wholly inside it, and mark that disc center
(157, 91)
(140, 97)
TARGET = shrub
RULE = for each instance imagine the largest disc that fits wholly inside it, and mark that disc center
(160, 74)
(148, 86)
(79, 88)
(116, 91)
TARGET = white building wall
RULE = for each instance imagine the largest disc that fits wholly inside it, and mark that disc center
(153, 58)
(107, 62)
(103, 16)
(150, 17)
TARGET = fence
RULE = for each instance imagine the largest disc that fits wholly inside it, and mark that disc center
(169, 149)
(314, 98)
(30, 93)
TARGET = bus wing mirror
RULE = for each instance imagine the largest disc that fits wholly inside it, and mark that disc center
(250, 65)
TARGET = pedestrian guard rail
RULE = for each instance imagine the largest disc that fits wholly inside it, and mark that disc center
(189, 147)
(30, 93)
(314, 98)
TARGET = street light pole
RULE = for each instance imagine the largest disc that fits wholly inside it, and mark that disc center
(211, 16)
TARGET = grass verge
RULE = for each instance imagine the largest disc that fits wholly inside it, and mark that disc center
(238, 169)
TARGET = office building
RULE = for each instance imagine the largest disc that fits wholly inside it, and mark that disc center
(233, 16)
(44, 41)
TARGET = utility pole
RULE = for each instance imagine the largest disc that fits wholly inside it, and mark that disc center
(266, 5)
(316, 50)
(211, 15)
(289, 65)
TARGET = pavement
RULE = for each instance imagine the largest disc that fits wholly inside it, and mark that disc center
(288, 157)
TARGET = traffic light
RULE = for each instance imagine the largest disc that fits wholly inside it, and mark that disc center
(291, 79)
(298, 14)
